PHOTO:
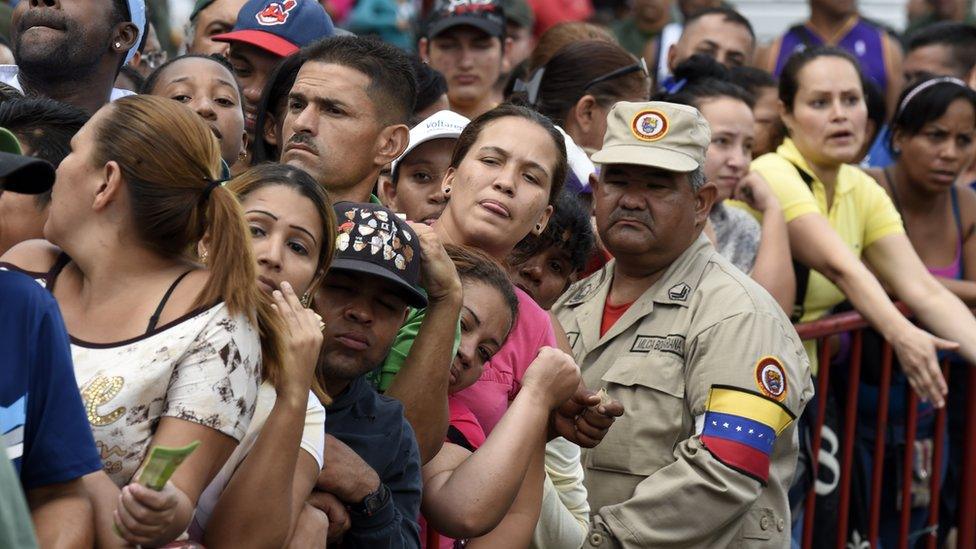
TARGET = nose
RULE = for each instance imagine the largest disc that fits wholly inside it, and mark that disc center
(838, 110)
(269, 254)
(304, 122)
(45, 3)
(466, 61)
(738, 160)
(204, 107)
(505, 182)
(252, 92)
(359, 311)
(532, 271)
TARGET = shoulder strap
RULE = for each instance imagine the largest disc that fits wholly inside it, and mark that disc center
(154, 319)
(801, 271)
(52, 275)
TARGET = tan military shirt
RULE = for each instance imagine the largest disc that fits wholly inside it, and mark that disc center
(699, 362)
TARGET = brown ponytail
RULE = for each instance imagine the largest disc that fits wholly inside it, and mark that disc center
(170, 160)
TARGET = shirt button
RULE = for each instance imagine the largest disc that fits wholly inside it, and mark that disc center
(764, 522)
(596, 539)
(780, 524)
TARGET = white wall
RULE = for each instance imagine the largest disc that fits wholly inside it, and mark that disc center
(770, 18)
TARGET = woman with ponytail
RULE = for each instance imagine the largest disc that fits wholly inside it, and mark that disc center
(166, 351)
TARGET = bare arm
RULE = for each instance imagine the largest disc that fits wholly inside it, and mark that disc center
(421, 384)
(773, 269)
(254, 510)
(815, 244)
(62, 515)
(519, 523)
(468, 495)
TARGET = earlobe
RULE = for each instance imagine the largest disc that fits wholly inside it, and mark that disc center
(269, 130)
(543, 221)
(448, 183)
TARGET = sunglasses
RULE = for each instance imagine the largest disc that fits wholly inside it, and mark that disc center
(531, 86)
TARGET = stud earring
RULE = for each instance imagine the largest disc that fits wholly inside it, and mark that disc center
(447, 190)
(538, 227)
(306, 300)
(118, 44)
(204, 256)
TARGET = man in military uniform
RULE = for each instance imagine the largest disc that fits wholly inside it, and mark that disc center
(708, 367)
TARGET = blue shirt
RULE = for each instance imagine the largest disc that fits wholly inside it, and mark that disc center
(373, 426)
(42, 420)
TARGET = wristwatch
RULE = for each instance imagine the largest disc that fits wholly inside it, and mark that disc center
(372, 503)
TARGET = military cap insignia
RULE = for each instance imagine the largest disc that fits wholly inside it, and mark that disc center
(649, 125)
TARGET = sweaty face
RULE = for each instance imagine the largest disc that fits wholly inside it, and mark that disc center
(644, 212)
(209, 89)
(51, 39)
(217, 18)
(470, 60)
(933, 60)
(729, 43)
(418, 192)
(286, 234)
(768, 128)
(936, 156)
(362, 315)
(252, 67)
(485, 323)
(730, 149)
(544, 276)
(829, 115)
(78, 178)
(331, 128)
(500, 190)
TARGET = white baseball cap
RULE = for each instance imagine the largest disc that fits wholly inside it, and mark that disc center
(440, 125)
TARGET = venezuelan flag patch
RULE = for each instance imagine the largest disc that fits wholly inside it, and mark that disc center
(739, 427)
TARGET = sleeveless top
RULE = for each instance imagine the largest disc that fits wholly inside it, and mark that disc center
(203, 367)
(954, 270)
(863, 40)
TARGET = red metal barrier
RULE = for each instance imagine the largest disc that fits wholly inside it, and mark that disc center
(820, 331)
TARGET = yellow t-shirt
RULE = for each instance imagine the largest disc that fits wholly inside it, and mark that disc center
(862, 213)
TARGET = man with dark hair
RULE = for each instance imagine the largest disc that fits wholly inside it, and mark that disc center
(431, 92)
(941, 11)
(942, 49)
(347, 112)
(722, 33)
(72, 50)
(372, 467)
(465, 40)
(266, 32)
(44, 128)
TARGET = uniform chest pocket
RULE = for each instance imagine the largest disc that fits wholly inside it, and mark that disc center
(652, 391)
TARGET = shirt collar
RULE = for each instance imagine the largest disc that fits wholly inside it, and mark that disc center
(789, 151)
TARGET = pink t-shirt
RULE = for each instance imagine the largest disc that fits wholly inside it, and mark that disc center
(501, 380)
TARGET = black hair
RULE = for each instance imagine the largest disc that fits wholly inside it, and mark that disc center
(926, 105)
(574, 66)
(130, 72)
(569, 229)
(9, 93)
(393, 84)
(45, 126)
(153, 79)
(431, 84)
(473, 265)
(752, 79)
(705, 78)
(789, 81)
(271, 107)
(875, 102)
(730, 15)
(473, 130)
(960, 38)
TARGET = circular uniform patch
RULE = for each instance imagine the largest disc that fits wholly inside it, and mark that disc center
(649, 125)
(771, 378)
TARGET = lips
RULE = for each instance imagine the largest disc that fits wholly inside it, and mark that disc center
(841, 135)
(466, 79)
(42, 18)
(267, 285)
(944, 176)
(353, 340)
(496, 208)
(300, 147)
(216, 132)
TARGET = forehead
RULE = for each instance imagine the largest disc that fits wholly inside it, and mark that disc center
(715, 28)
(519, 137)
(196, 69)
(826, 74)
(285, 203)
(934, 58)
(320, 80)
(368, 285)
(488, 304)
(726, 111)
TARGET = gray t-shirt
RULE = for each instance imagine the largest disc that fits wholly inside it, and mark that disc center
(737, 236)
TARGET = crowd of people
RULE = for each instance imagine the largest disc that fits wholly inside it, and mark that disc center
(474, 273)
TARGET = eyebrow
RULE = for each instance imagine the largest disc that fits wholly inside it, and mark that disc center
(273, 216)
(267, 213)
(477, 320)
(506, 154)
(304, 230)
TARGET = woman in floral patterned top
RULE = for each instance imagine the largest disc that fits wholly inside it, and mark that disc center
(166, 352)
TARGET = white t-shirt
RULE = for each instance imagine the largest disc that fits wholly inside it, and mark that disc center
(204, 367)
(8, 75)
(313, 442)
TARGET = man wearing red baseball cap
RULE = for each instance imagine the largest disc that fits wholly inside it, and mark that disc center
(267, 31)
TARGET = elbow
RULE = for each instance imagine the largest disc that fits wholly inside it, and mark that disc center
(463, 522)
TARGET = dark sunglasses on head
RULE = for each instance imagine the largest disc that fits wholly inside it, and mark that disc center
(623, 71)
